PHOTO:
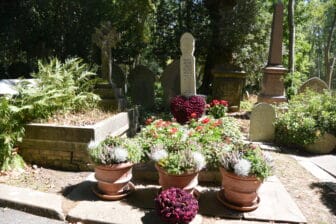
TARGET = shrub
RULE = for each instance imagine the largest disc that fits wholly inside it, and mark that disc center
(59, 87)
(309, 116)
(175, 205)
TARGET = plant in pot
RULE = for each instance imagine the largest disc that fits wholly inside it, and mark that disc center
(114, 159)
(178, 164)
(175, 205)
(243, 167)
(309, 122)
(217, 108)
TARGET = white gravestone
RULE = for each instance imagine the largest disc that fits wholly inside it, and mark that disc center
(187, 65)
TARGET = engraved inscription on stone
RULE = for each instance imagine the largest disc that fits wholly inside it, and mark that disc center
(187, 65)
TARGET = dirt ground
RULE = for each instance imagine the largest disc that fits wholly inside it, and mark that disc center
(316, 201)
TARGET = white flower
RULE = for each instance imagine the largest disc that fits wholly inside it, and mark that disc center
(242, 167)
(199, 160)
(158, 153)
(120, 154)
(92, 145)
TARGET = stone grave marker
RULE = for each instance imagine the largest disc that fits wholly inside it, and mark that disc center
(314, 84)
(141, 81)
(261, 126)
(118, 77)
(187, 65)
(106, 37)
(170, 81)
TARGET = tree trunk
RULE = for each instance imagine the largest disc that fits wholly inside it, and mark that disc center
(291, 26)
(327, 52)
(331, 71)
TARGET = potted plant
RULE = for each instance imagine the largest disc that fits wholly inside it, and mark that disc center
(114, 159)
(309, 122)
(178, 164)
(243, 167)
(175, 205)
(217, 108)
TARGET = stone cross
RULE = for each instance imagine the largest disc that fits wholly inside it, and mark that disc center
(187, 65)
(106, 38)
(275, 53)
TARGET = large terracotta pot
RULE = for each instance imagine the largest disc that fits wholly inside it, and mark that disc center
(112, 179)
(239, 193)
(187, 181)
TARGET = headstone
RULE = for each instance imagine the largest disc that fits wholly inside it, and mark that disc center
(315, 84)
(187, 65)
(261, 123)
(141, 81)
(170, 81)
(118, 77)
(106, 38)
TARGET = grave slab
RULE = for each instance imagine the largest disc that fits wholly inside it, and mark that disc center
(326, 162)
(275, 204)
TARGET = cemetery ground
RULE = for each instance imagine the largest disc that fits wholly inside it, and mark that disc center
(315, 198)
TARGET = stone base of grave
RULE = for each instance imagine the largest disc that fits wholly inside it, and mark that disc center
(65, 146)
(273, 90)
(111, 98)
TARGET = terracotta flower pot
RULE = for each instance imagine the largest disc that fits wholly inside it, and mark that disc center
(112, 179)
(187, 181)
(239, 193)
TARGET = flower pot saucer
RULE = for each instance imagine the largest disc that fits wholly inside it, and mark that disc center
(195, 193)
(128, 189)
(224, 201)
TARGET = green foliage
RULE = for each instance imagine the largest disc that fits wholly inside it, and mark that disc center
(246, 160)
(206, 136)
(114, 150)
(293, 82)
(309, 116)
(11, 131)
(60, 87)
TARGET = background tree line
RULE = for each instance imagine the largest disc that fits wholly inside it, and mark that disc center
(150, 31)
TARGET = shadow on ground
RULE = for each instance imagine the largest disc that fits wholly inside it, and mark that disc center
(328, 194)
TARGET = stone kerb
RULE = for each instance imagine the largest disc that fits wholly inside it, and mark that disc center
(64, 146)
(262, 123)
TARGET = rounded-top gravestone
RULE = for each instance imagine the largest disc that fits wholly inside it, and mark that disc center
(315, 84)
(141, 82)
(170, 81)
(261, 127)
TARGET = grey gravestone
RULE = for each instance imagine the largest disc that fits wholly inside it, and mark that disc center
(187, 65)
(118, 77)
(170, 81)
(141, 81)
(261, 123)
(314, 84)
(106, 38)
